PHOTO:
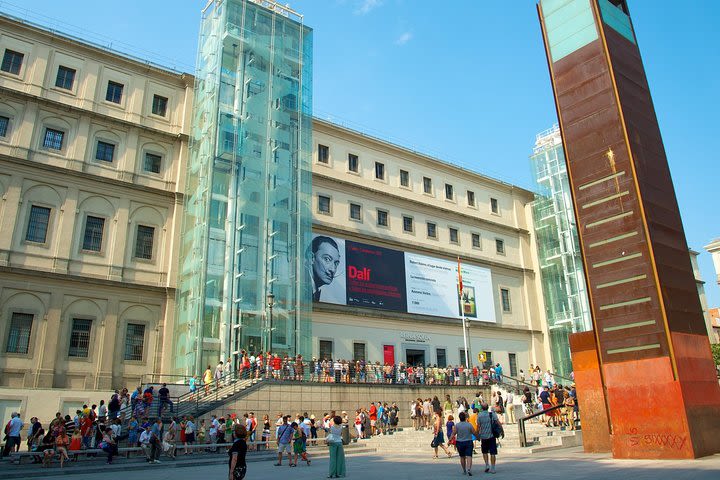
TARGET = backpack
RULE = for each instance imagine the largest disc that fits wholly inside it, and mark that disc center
(496, 428)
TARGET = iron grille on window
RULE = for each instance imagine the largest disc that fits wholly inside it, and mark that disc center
(152, 163)
(382, 218)
(408, 224)
(144, 242)
(92, 239)
(19, 336)
(134, 341)
(80, 338)
(114, 92)
(4, 122)
(12, 61)
(65, 78)
(105, 151)
(38, 224)
(159, 105)
(53, 139)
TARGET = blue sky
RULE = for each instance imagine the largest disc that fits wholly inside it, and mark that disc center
(466, 81)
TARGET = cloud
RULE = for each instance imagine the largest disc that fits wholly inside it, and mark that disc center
(366, 6)
(404, 38)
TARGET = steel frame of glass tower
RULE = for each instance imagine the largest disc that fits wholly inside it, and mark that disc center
(563, 280)
(248, 188)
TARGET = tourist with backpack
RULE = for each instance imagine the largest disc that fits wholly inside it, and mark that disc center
(489, 430)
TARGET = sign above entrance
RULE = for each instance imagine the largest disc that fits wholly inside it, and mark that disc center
(414, 337)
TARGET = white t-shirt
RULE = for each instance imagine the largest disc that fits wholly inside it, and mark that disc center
(189, 427)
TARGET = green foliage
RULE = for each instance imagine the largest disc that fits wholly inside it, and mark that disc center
(716, 352)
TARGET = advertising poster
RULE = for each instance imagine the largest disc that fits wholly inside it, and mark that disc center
(432, 286)
(343, 272)
(375, 277)
(326, 269)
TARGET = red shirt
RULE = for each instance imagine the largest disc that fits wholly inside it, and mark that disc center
(277, 363)
(373, 412)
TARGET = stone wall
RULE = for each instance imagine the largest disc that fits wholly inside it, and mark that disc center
(318, 398)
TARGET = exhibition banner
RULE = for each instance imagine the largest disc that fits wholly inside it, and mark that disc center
(356, 274)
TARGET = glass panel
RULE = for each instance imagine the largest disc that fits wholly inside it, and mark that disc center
(359, 351)
(159, 105)
(65, 78)
(114, 92)
(152, 163)
(4, 122)
(105, 151)
(408, 224)
(352, 162)
(382, 217)
(326, 349)
(12, 61)
(379, 171)
(441, 358)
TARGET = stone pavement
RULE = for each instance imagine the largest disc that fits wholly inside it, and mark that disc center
(567, 463)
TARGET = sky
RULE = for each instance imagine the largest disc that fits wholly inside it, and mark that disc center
(466, 81)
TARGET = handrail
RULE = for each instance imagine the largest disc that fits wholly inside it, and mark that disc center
(521, 422)
(517, 382)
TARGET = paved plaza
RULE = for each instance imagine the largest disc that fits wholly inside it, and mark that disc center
(568, 463)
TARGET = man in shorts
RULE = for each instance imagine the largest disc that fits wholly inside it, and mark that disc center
(488, 442)
(285, 434)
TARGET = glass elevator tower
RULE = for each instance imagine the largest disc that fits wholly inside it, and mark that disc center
(248, 185)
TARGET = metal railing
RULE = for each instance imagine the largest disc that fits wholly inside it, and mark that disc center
(522, 420)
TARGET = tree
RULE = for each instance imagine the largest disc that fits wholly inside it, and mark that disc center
(715, 347)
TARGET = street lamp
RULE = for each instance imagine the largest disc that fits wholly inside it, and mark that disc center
(270, 303)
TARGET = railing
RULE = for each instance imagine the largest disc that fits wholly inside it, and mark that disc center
(521, 422)
(516, 383)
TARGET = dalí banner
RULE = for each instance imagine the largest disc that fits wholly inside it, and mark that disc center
(356, 274)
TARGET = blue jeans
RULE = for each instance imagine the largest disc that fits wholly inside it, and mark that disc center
(162, 403)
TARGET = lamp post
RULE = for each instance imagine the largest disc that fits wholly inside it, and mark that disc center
(270, 303)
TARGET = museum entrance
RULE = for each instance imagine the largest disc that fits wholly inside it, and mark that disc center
(414, 357)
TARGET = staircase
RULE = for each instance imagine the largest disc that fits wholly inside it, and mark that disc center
(540, 438)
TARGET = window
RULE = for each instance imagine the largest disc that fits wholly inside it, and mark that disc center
(153, 163)
(505, 299)
(488, 360)
(355, 211)
(144, 242)
(134, 341)
(500, 246)
(407, 224)
(494, 205)
(476, 240)
(92, 238)
(12, 61)
(431, 230)
(453, 235)
(449, 193)
(353, 163)
(80, 338)
(441, 357)
(38, 224)
(326, 350)
(427, 185)
(324, 204)
(53, 139)
(323, 153)
(159, 105)
(19, 336)
(380, 171)
(404, 178)
(114, 92)
(358, 351)
(4, 123)
(512, 360)
(382, 218)
(105, 151)
(462, 356)
(471, 198)
(65, 78)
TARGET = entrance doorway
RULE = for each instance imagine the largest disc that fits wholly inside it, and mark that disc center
(415, 357)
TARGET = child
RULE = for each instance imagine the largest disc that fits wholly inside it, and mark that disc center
(450, 424)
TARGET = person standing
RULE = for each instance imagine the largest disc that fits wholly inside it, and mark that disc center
(510, 407)
(237, 464)
(488, 442)
(462, 435)
(337, 453)
(219, 372)
(12, 431)
(284, 439)
(208, 379)
(439, 437)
